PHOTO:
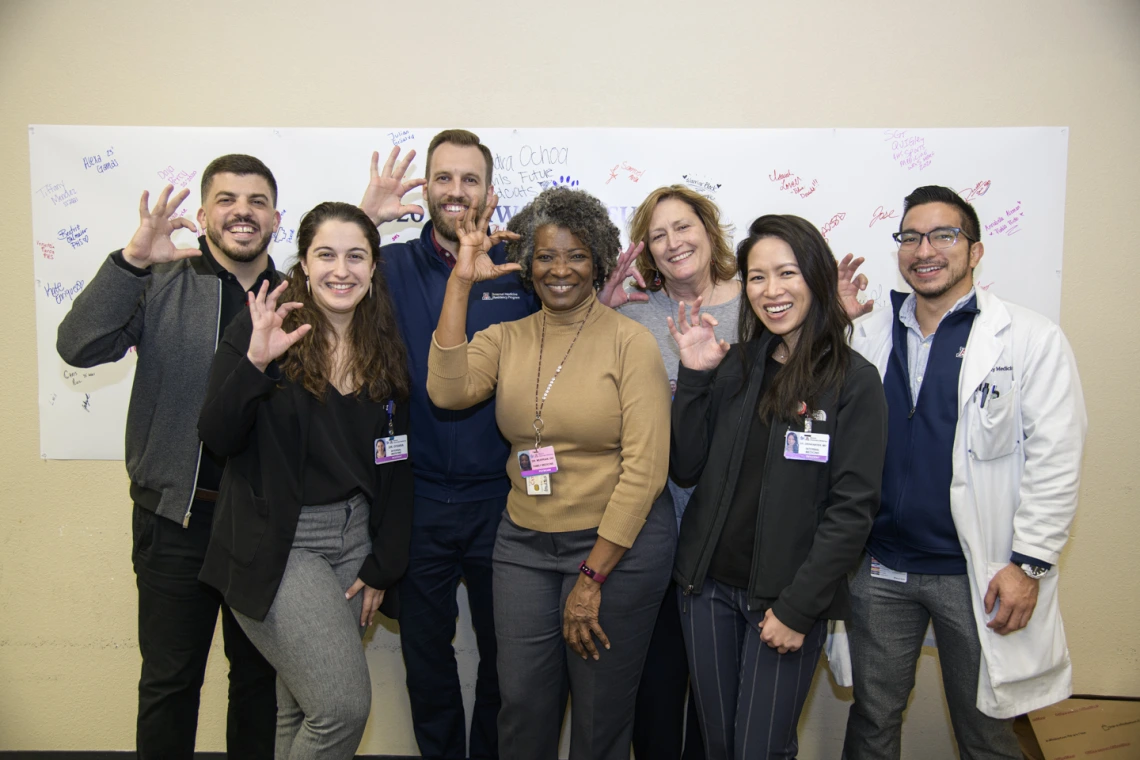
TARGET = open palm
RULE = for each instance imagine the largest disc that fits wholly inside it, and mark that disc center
(383, 198)
(696, 340)
(269, 340)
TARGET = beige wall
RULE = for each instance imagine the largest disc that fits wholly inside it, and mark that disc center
(68, 650)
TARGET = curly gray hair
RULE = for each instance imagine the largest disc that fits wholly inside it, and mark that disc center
(575, 210)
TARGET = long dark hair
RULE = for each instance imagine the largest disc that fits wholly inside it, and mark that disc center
(377, 362)
(819, 361)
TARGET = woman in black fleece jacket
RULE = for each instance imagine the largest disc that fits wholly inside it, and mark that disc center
(772, 528)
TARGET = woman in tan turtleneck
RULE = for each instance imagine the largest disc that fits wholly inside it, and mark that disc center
(593, 384)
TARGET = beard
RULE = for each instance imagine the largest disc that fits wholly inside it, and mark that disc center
(245, 253)
(444, 226)
(937, 290)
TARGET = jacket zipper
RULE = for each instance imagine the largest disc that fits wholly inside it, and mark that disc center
(706, 550)
(760, 516)
(201, 446)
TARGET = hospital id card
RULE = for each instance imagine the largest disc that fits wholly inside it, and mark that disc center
(391, 449)
(811, 447)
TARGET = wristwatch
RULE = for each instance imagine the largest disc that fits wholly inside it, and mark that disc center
(1033, 571)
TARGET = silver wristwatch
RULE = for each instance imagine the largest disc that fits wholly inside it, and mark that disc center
(1033, 571)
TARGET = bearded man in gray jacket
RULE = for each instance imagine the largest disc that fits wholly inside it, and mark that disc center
(171, 305)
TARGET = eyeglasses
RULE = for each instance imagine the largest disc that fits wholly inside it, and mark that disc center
(940, 238)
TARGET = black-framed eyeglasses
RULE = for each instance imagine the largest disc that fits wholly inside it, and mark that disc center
(940, 238)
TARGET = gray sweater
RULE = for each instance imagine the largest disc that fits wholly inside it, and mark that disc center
(653, 315)
(171, 316)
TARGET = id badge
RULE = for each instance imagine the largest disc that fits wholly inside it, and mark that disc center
(538, 485)
(391, 449)
(879, 570)
(811, 447)
(537, 462)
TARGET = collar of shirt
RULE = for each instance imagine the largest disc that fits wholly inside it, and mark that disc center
(226, 275)
(445, 255)
(910, 320)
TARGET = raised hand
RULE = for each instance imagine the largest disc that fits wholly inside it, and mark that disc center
(269, 341)
(849, 286)
(151, 243)
(700, 349)
(613, 294)
(474, 264)
(386, 189)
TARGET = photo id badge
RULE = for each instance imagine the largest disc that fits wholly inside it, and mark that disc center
(538, 485)
(391, 449)
(811, 447)
(538, 462)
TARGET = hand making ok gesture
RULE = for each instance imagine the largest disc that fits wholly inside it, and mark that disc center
(151, 243)
(474, 264)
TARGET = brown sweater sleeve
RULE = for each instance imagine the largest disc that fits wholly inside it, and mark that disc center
(644, 394)
(462, 376)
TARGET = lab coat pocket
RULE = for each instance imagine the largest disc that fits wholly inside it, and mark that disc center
(1035, 650)
(993, 427)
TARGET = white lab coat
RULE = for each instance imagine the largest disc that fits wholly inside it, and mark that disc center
(1016, 473)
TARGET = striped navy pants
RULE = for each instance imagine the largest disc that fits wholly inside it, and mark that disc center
(748, 695)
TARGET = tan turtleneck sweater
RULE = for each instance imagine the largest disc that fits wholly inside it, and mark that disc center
(607, 415)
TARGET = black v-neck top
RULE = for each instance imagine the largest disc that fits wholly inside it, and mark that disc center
(732, 561)
(340, 461)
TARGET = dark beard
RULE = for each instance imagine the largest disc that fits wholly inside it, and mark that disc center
(240, 255)
(443, 226)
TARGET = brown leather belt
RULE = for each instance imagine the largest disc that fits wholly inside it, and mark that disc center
(205, 494)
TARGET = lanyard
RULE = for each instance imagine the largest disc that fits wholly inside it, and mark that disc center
(391, 421)
(540, 403)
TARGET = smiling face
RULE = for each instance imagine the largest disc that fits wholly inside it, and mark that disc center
(777, 290)
(679, 243)
(238, 216)
(932, 273)
(563, 268)
(339, 265)
(456, 181)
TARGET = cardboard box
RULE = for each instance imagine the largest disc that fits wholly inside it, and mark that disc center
(1100, 728)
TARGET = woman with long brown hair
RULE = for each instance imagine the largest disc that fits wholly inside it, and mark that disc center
(312, 523)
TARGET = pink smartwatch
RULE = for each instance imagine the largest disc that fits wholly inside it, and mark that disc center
(592, 574)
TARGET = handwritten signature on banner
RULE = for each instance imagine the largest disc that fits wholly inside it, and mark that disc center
(101, 162)
(77, 376)
(624, 169)
(74, 235)
(832, 223)
(1008, 223)
(401, 136)
(47, 249)
(977, 191)
(60, 292)
(909, 150)
(881, 215)
(179, 179)
(59, 194)
(793, 183)
(699, 184)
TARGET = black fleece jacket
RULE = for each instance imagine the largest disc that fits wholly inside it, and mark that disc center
(814, 517)
(261, 422)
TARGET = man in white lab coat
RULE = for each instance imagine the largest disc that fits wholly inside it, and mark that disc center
(987, 424)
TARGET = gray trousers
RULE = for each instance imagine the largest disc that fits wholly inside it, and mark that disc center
(312, 636)
(888, 625)
(534, 573)
(748, 695)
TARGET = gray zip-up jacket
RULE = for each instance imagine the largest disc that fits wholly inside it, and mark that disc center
(171, 316)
